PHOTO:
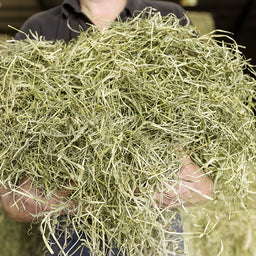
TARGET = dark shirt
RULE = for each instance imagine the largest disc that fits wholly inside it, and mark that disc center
(65, 21)
(74, 246)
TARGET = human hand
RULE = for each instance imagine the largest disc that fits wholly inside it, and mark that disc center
(193, 187)
(25, 203)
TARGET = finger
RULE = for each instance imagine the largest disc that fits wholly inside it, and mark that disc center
(165, 201)
(3, 189)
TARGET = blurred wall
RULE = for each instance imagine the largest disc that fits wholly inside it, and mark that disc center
(236, 16)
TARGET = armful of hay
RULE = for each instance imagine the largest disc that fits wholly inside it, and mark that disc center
(26, 204)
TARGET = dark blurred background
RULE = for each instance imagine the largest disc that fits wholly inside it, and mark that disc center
(236, 16)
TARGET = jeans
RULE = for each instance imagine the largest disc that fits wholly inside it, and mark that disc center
(73, 245)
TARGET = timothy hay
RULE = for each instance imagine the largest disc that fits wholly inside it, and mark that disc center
(103, 116)
(19, 238)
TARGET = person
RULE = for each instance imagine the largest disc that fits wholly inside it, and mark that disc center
(64, 23)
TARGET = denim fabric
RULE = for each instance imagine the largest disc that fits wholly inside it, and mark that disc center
(74, 245)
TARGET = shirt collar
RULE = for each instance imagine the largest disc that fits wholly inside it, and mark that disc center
(134, 5)
(70, 6)
(73, 6)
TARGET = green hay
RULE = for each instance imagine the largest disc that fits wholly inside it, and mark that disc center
(222, 233)
(104, 115)
(19, 238)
